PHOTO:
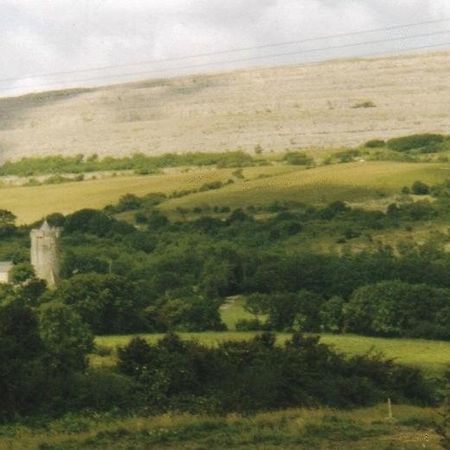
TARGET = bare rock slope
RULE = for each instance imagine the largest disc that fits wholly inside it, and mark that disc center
(334, 104)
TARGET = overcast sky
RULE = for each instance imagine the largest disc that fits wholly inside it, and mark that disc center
(39, 37)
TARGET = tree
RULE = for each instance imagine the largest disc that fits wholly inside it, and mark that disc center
(22, 372)
(257, 304)
(7, 222)
(7, 218)
(395, 308)
(22, 272)
(67, 338)
(308, 305)
(420, 188)
(282, 310)
(332, 314)
(191, 313)
(108, 303)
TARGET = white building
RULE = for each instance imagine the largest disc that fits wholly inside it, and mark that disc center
(5, 271)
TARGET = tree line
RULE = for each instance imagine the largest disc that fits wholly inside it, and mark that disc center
(162, 275)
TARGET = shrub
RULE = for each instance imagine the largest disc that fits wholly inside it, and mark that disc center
(375, 143)
(298, 159)
(211, 186)
(415, 141)
(191, 313)
(420, 188)
(365, 104)
(258, 374)
(347, 155)
(250, 325)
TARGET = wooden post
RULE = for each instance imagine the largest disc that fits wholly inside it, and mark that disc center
(390, 416)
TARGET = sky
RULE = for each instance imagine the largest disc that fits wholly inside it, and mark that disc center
(39, 38)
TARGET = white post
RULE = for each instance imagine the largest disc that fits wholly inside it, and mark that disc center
(389, 409)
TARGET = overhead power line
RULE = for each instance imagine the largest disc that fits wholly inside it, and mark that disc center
(223, 52)
(248, 59)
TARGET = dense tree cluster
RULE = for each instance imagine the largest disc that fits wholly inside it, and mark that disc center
(42, 350)
(162, 275)
(388, 308)
(257, 374)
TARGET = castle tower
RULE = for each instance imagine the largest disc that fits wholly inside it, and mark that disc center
(45, 254)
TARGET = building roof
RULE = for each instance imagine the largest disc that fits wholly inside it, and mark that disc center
(45, 226)
(6, 266)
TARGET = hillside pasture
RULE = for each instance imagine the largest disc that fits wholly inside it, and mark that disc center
(30, 203)
(358, 182)
(352, 182)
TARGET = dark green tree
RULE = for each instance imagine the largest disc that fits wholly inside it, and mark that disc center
(67, 338)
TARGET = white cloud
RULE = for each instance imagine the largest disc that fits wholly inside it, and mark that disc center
(62, 35)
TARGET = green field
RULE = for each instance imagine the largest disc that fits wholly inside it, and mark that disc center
(301, 429)
(30, 203)
(353, 182)
(431, 356)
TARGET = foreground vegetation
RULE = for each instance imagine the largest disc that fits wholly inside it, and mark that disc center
(432, 357)
(411, 428)
(226, 260)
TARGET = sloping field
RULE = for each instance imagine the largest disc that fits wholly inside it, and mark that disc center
(333, 104)
(349, 182)
(30, 203)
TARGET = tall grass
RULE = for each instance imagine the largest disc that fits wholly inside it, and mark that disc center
(368, 428)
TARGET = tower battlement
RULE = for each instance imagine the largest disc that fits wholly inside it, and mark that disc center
(45, 253)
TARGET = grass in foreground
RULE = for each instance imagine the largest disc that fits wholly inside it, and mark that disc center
(368, 428)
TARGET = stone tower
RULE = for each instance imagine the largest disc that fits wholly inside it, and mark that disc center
(45, 254)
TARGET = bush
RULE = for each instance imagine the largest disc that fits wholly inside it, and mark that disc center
(375, 143)
(347, 155)
(415, 141)
(258, 374)
(102, 390)
(250, 325)
(191, 313)
(365, 104)
(298, 159)
(211, 186)
(420, 188)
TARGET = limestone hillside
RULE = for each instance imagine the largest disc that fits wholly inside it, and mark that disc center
(334, 104)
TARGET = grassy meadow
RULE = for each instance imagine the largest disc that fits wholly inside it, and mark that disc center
(411, 428)
(31, 203)
(431, 356)
(353, 182)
